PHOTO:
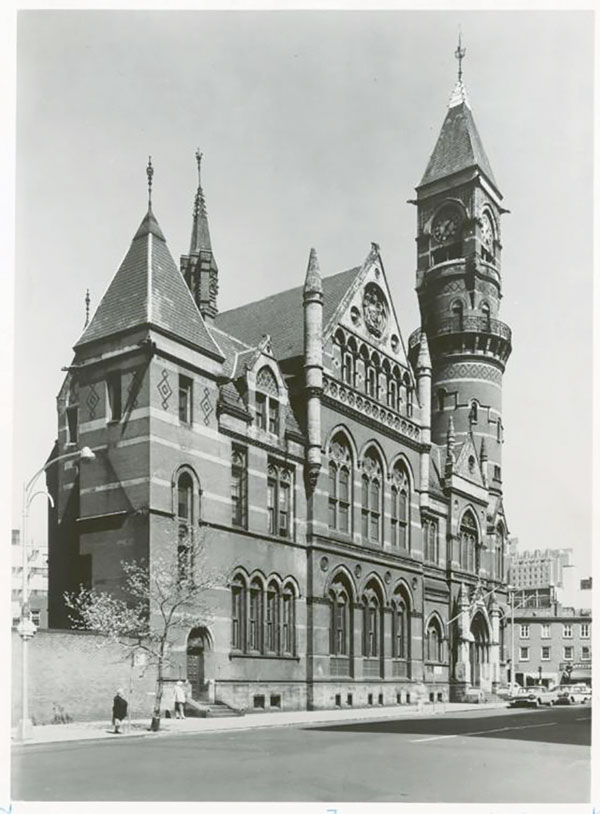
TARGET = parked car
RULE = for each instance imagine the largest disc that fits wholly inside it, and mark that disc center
(534, 697)
(574, 694)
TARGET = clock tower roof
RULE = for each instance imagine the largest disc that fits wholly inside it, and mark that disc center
(459, 146)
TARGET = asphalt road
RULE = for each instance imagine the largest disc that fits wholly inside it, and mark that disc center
(504, 756)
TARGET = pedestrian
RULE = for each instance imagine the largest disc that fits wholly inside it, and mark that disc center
(179, 695)
(119, 711)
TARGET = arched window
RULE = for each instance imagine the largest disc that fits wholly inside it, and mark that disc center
(485, 310)
(338, 350)
(238, 613)
(468, 541)
(267, 401)
(255, 616)
(474, 412)
(340, 484)
(499, 553)
(279, 500)
(185, 518)
(272, 618)
(401, 634)
(371, 498)
(434, 645)
(457, 314)
(349, 363)
(431, 546)
(409, 391)
(372, 624)
(341, 629)
(400, 508)
(288, 621)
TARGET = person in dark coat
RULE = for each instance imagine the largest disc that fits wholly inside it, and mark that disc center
(119, 711)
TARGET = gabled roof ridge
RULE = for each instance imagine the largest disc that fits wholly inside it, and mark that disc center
(214, 327)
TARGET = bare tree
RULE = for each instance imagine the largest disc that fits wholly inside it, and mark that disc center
(160, 600)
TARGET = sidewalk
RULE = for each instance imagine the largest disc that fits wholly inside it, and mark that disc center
(94, 730)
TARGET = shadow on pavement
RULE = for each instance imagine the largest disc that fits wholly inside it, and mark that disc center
(532, 726)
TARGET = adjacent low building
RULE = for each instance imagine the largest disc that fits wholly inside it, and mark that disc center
(552, 645)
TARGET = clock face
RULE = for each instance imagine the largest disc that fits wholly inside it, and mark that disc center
(487, 232)
(446, 225)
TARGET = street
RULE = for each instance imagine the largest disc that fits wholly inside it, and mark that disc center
(503, 756)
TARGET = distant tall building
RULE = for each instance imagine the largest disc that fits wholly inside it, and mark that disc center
(538, 569)
(37, 581)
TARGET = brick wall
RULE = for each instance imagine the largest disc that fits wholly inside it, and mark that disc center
(70, 669)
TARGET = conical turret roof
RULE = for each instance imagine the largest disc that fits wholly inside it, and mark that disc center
(149, 290)
(459, 146)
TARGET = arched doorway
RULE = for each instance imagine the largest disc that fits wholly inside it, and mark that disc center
(197, 645)
(479, 648)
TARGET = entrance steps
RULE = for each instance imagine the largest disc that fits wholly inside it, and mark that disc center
(200, 709)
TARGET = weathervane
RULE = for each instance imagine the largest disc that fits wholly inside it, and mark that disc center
(149, 173)
(460, 55)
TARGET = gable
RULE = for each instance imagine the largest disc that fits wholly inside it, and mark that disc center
(464, 467)
(367, 311)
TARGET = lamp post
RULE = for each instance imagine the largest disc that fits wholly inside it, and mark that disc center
(513, 680)
(26, 628)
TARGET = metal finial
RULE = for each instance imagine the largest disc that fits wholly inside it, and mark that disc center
(199, 163)
(87, 307)
(149, 173)
(460, 55)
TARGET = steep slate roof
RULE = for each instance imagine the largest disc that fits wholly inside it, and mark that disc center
(148, 289)
(459, 144)
(280, 315)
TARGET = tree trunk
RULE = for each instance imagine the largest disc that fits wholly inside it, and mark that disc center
(155, 722)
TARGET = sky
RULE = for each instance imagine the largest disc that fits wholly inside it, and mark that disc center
(315, 128)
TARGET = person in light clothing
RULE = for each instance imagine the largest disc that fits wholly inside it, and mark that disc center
(179, 696)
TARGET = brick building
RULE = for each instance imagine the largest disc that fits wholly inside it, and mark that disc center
(349, 487)
(37, 581)
(553, 646)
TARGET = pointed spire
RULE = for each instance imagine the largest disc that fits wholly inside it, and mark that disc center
(424, 358)
(313, 282)
(200, 234)
(87, 308)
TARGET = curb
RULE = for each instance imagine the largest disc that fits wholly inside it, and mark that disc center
(267, 724)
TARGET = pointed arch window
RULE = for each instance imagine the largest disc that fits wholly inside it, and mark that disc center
(272, 619)
(255, 616)
(434, 644)
(267, 401)
(457, 314)
(485, 310)
(468, 541)
(279, 500)
(431, 547)
(288, 627)
(340, 485)
(371, 498)
(372, 625)
(400, 508)
(238, 613)
(499, 553)
(340, 630)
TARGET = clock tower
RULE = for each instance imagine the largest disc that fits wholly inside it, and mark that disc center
(459, 287)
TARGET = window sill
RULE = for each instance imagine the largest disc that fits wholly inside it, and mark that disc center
(268, 656)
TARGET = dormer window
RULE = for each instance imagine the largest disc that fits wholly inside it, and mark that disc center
(267, 401)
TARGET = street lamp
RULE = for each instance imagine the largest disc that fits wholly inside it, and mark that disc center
(26, 628)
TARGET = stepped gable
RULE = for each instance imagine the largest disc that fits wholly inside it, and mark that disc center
(148, 290)
(282, 316)
(459, 147)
